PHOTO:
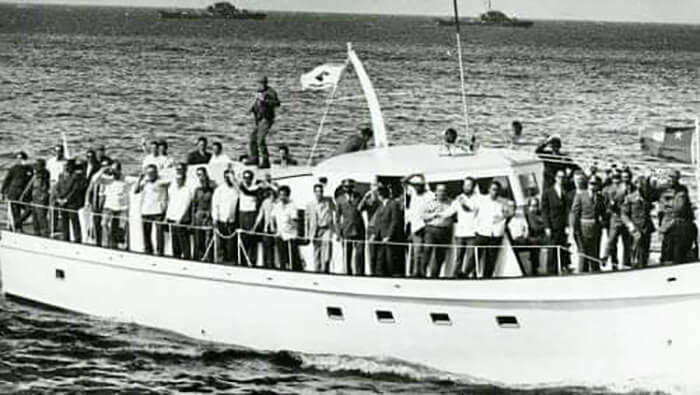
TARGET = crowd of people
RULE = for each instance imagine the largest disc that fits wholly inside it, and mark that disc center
(207, 222)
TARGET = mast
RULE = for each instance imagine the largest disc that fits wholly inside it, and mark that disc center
(461, 69)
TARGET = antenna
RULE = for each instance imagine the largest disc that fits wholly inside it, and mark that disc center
(461, 69)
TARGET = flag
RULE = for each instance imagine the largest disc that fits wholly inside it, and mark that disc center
(322, 77)
(674, 143)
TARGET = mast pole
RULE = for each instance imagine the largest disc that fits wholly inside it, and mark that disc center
(461, 69)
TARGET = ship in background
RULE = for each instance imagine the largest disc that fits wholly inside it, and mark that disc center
(220, 10)
(489, 18)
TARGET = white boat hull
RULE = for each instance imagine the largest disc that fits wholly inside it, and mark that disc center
(588, 328)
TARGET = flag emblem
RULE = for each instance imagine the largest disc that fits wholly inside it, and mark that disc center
(322, 77)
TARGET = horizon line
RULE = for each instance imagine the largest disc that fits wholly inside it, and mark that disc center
(622, 21)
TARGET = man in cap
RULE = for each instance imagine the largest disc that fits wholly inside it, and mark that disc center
(263, 110)
(636, 215)
(586, 218)
(14, 186)
(356, 142)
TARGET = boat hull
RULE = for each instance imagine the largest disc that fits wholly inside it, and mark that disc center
(194, 15)
(589, 328)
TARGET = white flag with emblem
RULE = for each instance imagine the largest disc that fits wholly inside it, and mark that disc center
(322, 77)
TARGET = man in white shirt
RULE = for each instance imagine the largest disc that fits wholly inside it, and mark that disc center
(438, 215)
(153, 205)
(490, 228)
(284, 219)
(418, 197)
(247, 214)
(466, 205)
(115, 203)
(320, 220)
(179, 214)
(218, 155)
(224, 212)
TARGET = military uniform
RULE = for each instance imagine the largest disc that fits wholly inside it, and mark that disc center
(614, 198)
(587, 214)
(636, 215)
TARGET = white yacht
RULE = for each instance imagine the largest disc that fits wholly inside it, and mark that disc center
(514, 329)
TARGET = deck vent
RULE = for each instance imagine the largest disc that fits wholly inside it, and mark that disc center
(507, 321)
(335, 313)
(385, 316)
(440, 318)
(60, 274)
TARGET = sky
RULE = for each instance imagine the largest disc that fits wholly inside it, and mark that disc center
(661, 11)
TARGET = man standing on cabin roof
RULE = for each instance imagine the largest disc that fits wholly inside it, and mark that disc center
(263, 110)
(356, 142)
(14, 186)
(351, 227)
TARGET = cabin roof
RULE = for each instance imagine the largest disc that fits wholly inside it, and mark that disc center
(426, 159)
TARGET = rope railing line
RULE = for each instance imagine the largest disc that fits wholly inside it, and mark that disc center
(239, 231)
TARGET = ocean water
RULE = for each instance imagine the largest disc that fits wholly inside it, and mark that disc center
(115, 75)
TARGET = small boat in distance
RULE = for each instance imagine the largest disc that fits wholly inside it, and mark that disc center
(219, 10)
(489, 18)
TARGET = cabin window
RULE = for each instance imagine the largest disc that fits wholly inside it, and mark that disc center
(528, 183)
(507, 321)
(440, 318)
(385, 316)
(335, 313)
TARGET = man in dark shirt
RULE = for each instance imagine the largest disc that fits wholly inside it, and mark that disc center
(352, 228)
(201, 207)
(201, 156)
(39, 192)
(263, 110)
(389, 224)
(555, 204)
(14, 186)
(554, 160)
(70, 197)
(285, 157)
(356, 142)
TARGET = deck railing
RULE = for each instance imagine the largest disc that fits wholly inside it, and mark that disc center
(328, 254)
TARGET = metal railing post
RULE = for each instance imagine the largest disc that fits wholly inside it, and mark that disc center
(238, 249)
(477, 263)
(558, 260)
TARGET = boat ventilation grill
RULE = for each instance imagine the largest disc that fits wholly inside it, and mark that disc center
(60, 274)
(507, 321)
(440, 318)
(335, 313)
(385, 316)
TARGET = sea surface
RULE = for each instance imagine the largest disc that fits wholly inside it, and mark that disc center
(114, 75)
